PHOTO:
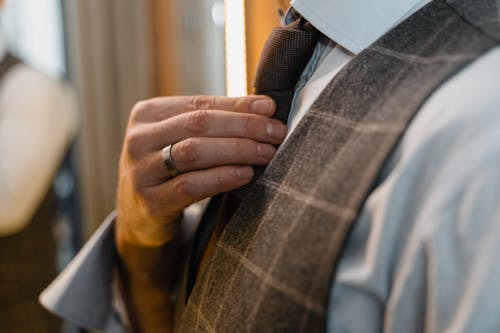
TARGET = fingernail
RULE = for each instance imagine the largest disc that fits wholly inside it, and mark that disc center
(244, 172)
(266, 151)
(276, 131)
(262, 106)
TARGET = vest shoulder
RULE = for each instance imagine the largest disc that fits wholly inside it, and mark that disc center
(483, 14)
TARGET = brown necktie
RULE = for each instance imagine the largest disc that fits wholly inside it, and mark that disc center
(283, 58)
(286, 53)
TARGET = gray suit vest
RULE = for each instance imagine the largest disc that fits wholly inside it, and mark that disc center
(272, 268)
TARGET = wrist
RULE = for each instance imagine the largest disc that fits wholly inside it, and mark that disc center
(147, 262)
(146, 231)
(142, 245)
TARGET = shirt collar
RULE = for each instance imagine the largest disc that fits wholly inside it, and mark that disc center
(355, 24)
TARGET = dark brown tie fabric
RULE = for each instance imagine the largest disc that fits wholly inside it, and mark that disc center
(283, 58)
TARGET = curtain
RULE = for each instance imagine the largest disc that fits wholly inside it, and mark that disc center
(110, 66)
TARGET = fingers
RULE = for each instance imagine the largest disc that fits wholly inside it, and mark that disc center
(204, 153)
(258, 104)
(160, 108)
(191, 187)
(212, 123)
(215, 139)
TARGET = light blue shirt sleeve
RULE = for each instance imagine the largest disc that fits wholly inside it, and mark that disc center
(424, 255)
(82, 293)
(86, 292)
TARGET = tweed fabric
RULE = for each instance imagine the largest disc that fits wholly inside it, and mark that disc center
(27, 265)
(485, 16)
(284, 56)
(273, 265)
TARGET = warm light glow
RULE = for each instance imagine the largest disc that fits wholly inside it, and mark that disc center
(236, 62)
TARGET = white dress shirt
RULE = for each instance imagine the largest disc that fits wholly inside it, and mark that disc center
(424, 253)
(38, 120)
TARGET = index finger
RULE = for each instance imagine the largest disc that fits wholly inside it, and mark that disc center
(161, 108)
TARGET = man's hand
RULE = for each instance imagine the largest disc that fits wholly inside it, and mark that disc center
(215, 141)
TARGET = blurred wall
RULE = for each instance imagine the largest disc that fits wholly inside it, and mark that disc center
(261, 17)
(109, 56)
(188, 46)
(33, 30)
(189, 42)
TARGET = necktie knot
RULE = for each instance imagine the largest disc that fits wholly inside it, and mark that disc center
(284, 56)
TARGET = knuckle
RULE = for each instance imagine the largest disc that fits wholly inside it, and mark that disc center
(149, 201)
(221, 178)
(134, 179)
(247, 125)
(240, 148)
(141, 111)
(133, 142)
(237, 103)
(197, 121)
(242, 103)
(202, 102)
(186, 151)
(181, 187)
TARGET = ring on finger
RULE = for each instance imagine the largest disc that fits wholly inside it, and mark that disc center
(166, 154)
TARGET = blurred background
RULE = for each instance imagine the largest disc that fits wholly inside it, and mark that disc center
(71, 71)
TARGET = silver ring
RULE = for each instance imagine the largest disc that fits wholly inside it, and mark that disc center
(166, 154)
